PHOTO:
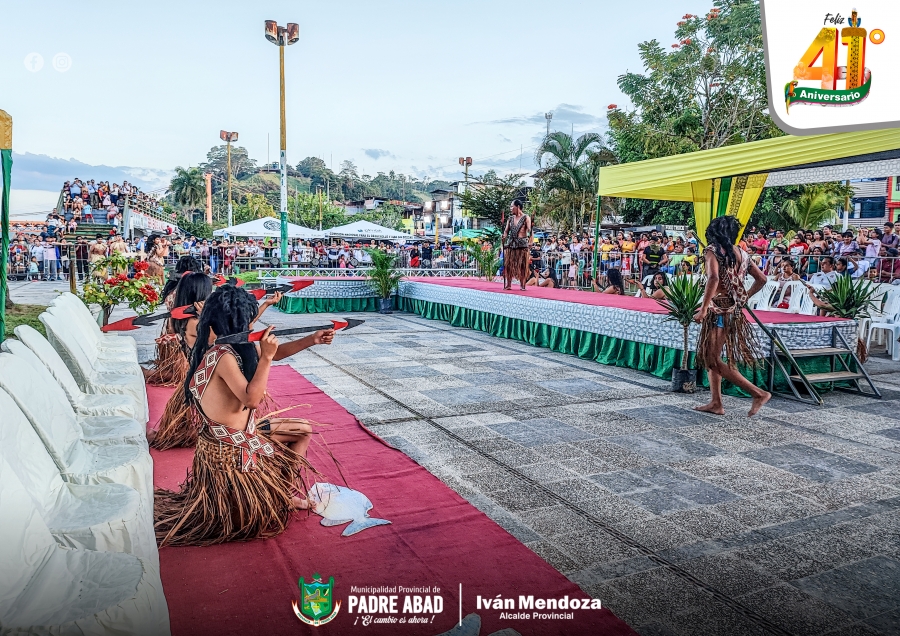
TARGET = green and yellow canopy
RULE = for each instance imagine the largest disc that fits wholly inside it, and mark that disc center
(729, 180)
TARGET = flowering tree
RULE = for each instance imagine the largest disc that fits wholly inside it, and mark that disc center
(111, 286)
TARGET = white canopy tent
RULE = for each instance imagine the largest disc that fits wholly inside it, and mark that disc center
(367, 231)
(269, 228)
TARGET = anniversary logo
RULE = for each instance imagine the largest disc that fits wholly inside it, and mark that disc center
(821, 56)
(820, 63)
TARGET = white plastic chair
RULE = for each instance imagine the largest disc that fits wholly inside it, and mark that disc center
(83, 403)
(761, 299)
(100, 430)
(107, 517)
(795, 289)
(889, 323)
(86, 337)
(62, 333)
(807, 306)
(83, 314)
(77, 461)
(99, 380)
(50, 589)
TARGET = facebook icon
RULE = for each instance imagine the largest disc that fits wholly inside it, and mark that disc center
(34, 62)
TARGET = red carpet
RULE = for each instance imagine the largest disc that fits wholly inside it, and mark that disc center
(633, 303)
(437, 539)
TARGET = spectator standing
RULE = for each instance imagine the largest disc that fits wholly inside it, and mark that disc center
(871, 242)
(81, 257)
(653, 257)
(889, 238)
(51, 262)
(847, 246)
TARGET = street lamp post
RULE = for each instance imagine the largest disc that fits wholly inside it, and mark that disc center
(549, 118)
(465, 162)
(229, 137)
(282, 37)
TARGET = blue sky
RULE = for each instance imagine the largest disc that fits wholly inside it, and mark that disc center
(389, 84)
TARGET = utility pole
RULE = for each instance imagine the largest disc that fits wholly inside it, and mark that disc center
(228, 138)
(208, 177)
(282, 37)
(319, 192)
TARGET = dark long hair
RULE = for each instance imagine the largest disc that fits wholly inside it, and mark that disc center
(185, 264)
(192, 288)
(614, 276)
(721, 234)
(228, 310)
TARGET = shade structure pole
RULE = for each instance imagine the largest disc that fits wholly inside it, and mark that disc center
(5, 179)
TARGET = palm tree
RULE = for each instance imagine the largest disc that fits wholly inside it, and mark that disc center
(569, 175)
(189, 187)
(814, 208)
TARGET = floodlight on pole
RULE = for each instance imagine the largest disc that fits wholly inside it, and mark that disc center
(229, 137)
(465, 162)
(282, 37)
(549, 117)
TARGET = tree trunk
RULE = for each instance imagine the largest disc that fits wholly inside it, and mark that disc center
(684, 355)
(9, 303)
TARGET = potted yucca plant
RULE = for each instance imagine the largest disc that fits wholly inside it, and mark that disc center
(850, 298)
(384, 277)
(684, 295)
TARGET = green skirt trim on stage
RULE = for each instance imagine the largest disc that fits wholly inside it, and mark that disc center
(304, 305)
(654, 359)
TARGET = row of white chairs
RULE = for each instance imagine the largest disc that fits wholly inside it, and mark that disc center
(77, 548)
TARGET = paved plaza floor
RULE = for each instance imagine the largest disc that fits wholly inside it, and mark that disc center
(682, 523)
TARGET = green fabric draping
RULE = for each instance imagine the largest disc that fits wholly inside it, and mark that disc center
(654, 359)
(306, 305)
(6, 172)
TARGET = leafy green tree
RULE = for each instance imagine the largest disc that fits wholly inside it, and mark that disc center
(217, 162)
(254, 206)
(708, 91)
(567, 177)
(303, 209)
(490, 196)
(386, 215)
(188, 188)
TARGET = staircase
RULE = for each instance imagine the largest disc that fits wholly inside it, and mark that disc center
(89, 231)
(847, 372)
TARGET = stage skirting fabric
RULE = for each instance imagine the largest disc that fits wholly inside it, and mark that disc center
(616, 336)
(341, 295)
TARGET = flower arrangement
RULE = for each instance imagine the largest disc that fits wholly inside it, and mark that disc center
(110, 286)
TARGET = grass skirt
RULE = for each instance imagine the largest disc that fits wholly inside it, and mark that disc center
(179, 425)
(171, 366)
(515, 265)
(219, 503)
(740, 347)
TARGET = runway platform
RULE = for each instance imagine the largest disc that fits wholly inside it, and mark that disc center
(618, 330)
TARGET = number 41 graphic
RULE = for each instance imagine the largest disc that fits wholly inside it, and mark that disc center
(825, 46)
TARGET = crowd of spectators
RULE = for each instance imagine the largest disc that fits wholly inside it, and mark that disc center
(100, 202)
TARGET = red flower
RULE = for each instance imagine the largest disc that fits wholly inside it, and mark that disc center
(141, 266)
(111, 281)
(688, 41)
(612, 107)
(675, 46)
(681, 23)
(138, 276)
(122, 276)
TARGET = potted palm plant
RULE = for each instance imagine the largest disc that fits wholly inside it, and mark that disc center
(384, 277)
(850, 298)
(684, 294)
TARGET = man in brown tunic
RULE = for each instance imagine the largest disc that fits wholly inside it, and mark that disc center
(517, 237)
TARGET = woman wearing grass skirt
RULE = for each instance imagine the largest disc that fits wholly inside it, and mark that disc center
(722, 319)
(170, 366)
(245, 479)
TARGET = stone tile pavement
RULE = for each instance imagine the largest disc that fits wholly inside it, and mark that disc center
(681, 522)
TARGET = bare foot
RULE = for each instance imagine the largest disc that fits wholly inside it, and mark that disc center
(715, 409)
(758, 403)
(301, 503)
